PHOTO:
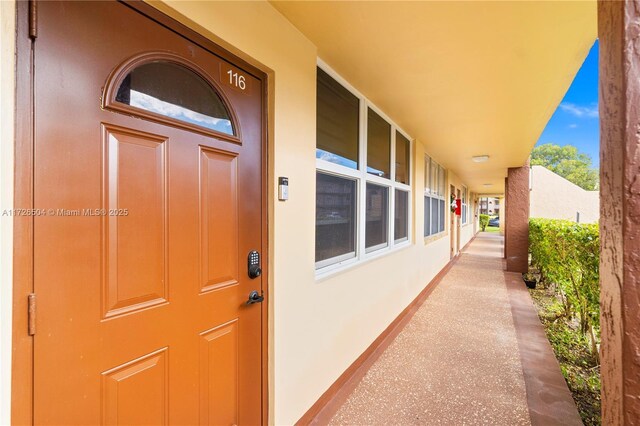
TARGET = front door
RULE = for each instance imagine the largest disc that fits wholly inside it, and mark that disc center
(148, 173)
(453, 229)
(458, 220)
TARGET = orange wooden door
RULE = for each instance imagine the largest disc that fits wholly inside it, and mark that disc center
(148, 164)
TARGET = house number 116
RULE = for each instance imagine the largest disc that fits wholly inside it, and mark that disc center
(236, 80)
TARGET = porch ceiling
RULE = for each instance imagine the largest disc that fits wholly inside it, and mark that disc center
(464, 78)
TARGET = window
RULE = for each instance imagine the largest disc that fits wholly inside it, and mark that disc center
(434, 197)
(401, 227)
(377, 217)
(335, 217)
(465, 203)
(362, 200)
(337, 113)
(403, 158)
(378, 145)
(172, 90)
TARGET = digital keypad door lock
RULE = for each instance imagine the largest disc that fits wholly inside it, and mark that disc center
(253, 261)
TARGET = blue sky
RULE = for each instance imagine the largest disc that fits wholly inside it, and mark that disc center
(575, 122)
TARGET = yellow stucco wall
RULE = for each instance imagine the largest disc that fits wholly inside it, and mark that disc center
(317, 327)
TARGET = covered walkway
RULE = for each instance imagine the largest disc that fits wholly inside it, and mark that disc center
(473, 353)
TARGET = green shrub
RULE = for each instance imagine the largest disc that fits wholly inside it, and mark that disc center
(484, 221)
(567, 255)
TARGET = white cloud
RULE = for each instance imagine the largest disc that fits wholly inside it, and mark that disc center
(581, 111)
(333, 158)
(572, 126)
(144, 101)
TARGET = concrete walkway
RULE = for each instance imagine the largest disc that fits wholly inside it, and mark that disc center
(458, 359)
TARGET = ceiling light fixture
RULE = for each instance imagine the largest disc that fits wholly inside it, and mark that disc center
(480, 158)
(487, 184)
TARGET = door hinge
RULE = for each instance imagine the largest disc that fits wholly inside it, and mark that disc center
(32, 314)
(33, 19)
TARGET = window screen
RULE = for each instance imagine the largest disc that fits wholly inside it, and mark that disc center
(378, 145)
(401, 219)
(402, 158)
(335, 217)
(377, 216)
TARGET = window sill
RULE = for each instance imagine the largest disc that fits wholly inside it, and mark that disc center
(331, 271)
(432, 238)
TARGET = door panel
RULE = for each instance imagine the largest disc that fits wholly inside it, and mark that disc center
(218, 375)
(218, 219)
(141, 272)
(136, 393)
(134, 197)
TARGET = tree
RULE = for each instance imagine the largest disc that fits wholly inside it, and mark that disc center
(567, 162)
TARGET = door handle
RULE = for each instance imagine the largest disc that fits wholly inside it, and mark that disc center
(255, 297)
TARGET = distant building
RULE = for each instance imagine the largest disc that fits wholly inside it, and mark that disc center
(554, 197)
(490, 206)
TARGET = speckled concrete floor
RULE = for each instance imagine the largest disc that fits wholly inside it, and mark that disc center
(456, 362)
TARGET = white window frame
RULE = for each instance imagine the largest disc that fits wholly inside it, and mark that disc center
(336, 264)
(346, 258)
(435, 194)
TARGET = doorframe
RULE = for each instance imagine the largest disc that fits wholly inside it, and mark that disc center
(458, 220)
(22, 362)
(453, 229)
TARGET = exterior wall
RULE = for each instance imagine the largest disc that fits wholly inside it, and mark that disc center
(494, 208)
(517, 219)
(7, 101)
(554, 197)
(317, 327)
(502, 215)
(298, 311)
(466, 233)
(490, 206)
(619, 211)
(466, 230)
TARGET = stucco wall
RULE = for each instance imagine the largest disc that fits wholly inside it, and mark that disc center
(620, 211)
(516, 245)
(318, 327)
(554, 197)
(7, 64)
(466, 230)
(312, 343)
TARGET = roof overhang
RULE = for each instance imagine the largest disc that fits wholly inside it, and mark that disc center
(463, 78)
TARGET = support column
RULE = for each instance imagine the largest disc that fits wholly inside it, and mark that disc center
(619, 33)
(517, 219)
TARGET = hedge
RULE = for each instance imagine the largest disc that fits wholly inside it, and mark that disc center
(567, 255)
(484, 221)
